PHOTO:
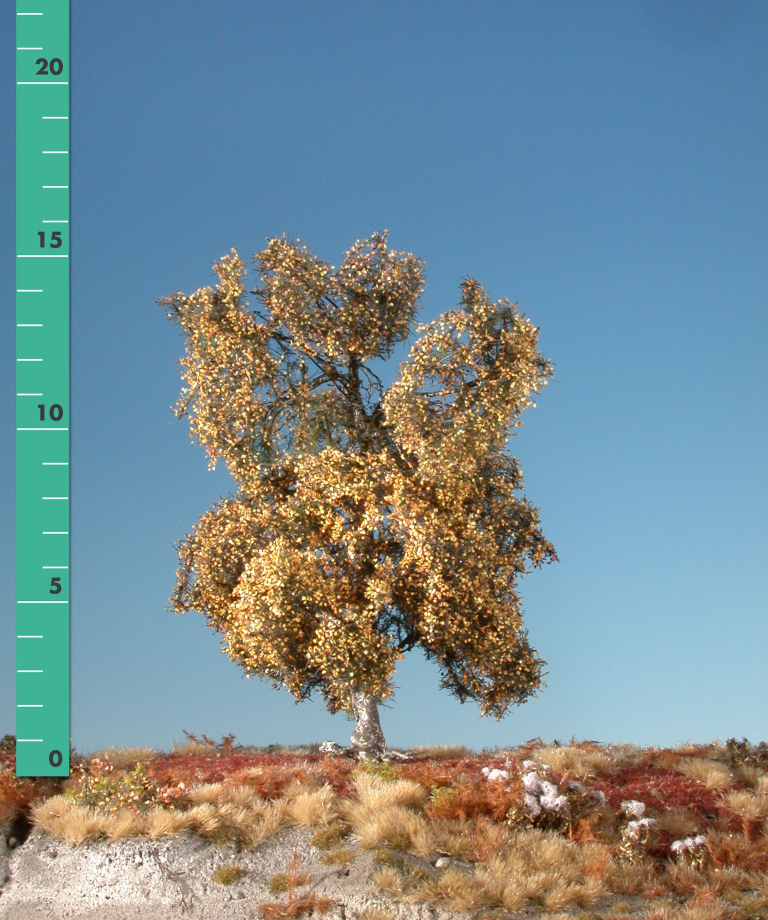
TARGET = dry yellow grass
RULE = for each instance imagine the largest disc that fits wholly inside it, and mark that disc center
(244, 796)
(750, 776)
(395, 825)
(162, 823)
(691, 912)
(193, 747)
(125, 823)
(271, 821)
(575, 760)
(447, 836)
(747, 804)
(713, 775)
(546, 869)
(300, 787)
(389, 881)
(206, 793)
(571, 894)
(125, 757)
(72, 823)
(312, 808)
(452, 889)
(204, 819)
(679, 822)
(374, 792)
(442, 751)
(237, 818)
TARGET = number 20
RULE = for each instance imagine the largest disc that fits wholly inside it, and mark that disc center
(55, 64)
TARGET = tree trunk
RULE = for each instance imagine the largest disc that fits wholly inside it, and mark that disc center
(367, 738)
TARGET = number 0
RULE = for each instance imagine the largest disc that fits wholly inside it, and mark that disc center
(55, 759)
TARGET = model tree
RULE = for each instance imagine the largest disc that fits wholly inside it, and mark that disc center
(366, 523)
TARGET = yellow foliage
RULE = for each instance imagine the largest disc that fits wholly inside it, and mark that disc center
(361, 527)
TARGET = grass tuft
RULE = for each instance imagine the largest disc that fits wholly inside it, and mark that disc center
(713, 775)
(228, 875)
(331, 835)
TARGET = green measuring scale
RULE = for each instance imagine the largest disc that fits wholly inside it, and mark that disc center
(42, 388)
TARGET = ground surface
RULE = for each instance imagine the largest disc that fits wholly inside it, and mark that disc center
(141, 879)
(215, 830)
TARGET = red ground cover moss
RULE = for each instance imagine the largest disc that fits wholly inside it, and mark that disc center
(215, 768)
(658, 789)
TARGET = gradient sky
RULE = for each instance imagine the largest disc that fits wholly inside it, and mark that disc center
(604, 164)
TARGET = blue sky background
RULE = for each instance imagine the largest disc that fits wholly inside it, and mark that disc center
(603, 164)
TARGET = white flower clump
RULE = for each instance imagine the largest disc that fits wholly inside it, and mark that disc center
(494, 775)
(541, 794)
(633, 809)
(532, 783)
(688, 843)
(634, 828)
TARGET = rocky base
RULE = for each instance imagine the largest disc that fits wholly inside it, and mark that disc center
(143, 879)
(331, 747)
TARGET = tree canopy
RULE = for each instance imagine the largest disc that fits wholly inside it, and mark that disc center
(365, 523)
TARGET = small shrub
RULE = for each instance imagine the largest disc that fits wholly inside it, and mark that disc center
(306, 906)
(383, 770)
(227, 875)
(338, 857)
(225, 746)
(742, 753)
(99, 785)
(295, 905)
(331, 836)
(284, 881)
